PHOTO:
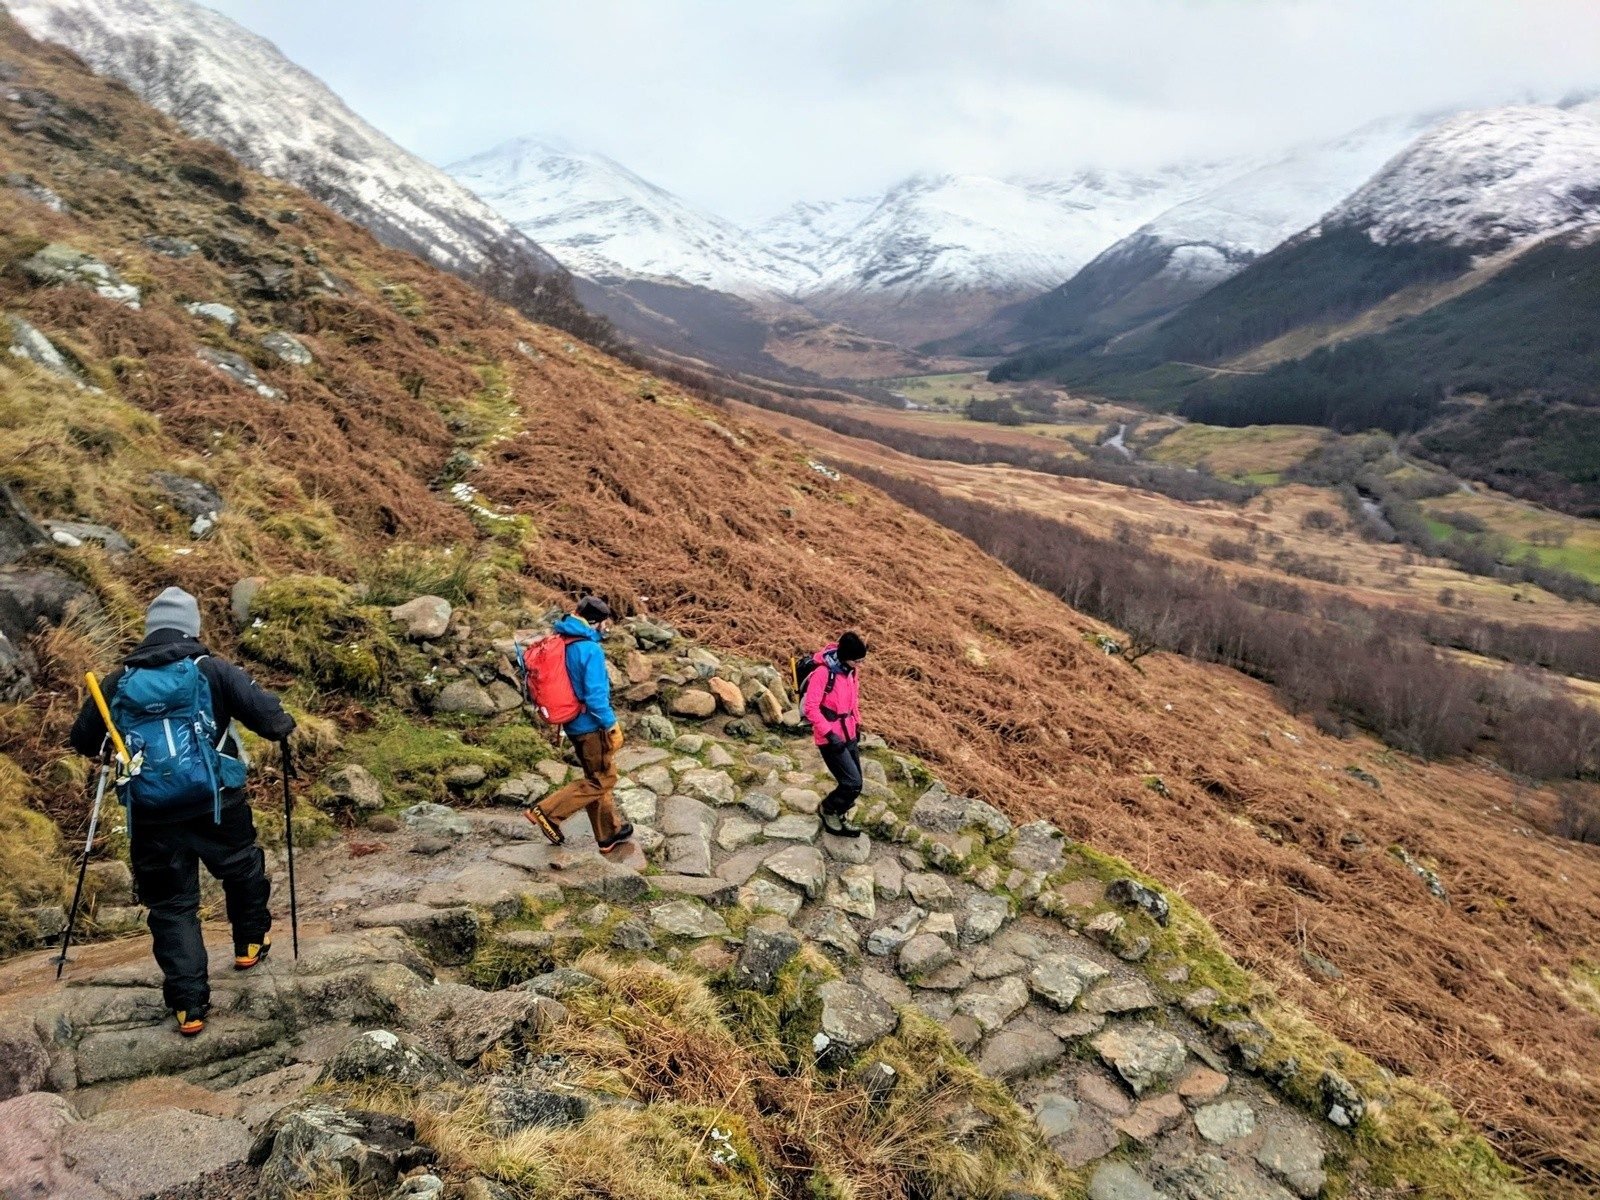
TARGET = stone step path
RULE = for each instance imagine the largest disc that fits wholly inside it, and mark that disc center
(945, 909)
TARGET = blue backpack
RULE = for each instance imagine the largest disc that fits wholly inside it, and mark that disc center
(165, 716)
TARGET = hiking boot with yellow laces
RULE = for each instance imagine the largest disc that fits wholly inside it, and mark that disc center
(190, 1021)
(252, 953)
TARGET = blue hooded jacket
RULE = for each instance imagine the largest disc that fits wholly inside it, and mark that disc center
(586, 667)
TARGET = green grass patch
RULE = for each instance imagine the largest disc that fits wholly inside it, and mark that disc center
(411, 760)
(318, 628)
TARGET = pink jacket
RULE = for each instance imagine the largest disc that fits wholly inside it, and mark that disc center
(834, 709)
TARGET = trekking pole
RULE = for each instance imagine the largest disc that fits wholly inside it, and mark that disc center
(83, 867)
(105, 715)
(288, 841)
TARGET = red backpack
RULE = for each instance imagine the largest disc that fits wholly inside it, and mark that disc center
(546, 682)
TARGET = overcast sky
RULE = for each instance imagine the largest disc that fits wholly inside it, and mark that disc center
(744, 106)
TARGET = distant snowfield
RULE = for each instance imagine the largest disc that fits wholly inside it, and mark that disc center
(1489, 180)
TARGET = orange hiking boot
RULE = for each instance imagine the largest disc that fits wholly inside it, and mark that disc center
(552, 831)
(190, 1023)
(253, 953)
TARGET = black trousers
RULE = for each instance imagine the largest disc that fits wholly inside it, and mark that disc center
(166, 862)
(844, 764)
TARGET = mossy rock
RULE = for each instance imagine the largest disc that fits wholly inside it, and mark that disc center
(318, 628)
(31, 869)
(413, 761)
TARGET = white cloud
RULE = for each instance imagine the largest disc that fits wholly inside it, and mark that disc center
(746, 106)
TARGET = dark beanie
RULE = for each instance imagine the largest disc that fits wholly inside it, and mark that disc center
(592, 609)
(852, 648)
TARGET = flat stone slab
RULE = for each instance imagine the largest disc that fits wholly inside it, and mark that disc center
(630, 758)
(1225, 1122)
(992, 1005)
(133, 1153)
(1120, 998)
(1293, 1154)
(494, 886)
(719, 893)
(793, 828)
(1059, 979)
(713, 786)
(853, 1016)
(802, 866)
(924, 953)
(765, 896)
(1020, 1049)
(685, 918)
(1119, 1181)
(1142, 1054)
(1205, 1176)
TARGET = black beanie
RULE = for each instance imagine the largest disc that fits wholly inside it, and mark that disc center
(852, 648)
(593, 609)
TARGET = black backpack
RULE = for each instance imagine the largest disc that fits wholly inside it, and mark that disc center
(801, 664)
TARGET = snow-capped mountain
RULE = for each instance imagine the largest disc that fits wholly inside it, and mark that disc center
(1193, 246)
(971, 232)
(225, 84)
(603, 221)
(939, 253)
(1486, 181)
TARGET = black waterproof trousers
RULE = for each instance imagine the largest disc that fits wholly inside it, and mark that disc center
(844, 764)
(166, 862)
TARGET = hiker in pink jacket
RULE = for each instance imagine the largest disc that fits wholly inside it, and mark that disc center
(831, 702)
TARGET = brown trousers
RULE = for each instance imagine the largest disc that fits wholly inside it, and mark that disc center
(597, 757)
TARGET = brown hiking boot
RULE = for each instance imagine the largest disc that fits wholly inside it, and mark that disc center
(616, 840)
(552, 831)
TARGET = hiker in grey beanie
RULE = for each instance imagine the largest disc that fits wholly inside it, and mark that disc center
(173, 609)
(211, 824)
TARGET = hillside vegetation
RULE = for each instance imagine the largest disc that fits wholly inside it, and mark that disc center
(428, 439)
(1499, 380)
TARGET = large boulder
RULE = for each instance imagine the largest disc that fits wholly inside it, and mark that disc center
(1130, 893)
(189, 496)
(24, 1064)
(19, 532)
(466, 696)
(466, 1022)
(29, 344)
(693, 703)
(237, 368)
(769, 946)
(353, 786)
(32, 1161)
(61, 264)
(448, 935)
(379, 1056)
(313, 1142)
(425, 618)
(513, 1106)
(134, 1153)
(29, 599)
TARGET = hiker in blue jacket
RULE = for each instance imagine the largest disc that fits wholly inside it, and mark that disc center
(595, 735)
(218, 829)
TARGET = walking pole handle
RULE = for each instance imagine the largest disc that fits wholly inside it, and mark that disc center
(105, 715)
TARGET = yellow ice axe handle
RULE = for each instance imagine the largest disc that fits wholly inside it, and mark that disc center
(105, 715)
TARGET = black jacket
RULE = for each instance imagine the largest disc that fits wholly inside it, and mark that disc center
(234, 695)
